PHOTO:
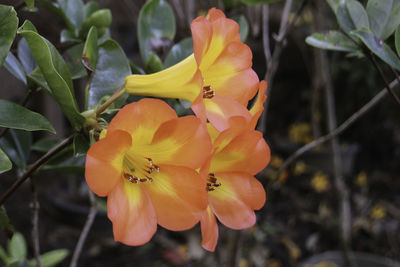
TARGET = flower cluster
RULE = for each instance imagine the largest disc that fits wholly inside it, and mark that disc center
(157, 168)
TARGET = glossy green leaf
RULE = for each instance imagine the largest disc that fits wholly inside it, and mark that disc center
(13, 65)
(74, 62)
(384, 17)
(74, 12)
(397, 40)
(51, 258)
(37, 78)
(23, 142)
(18, 117)
(65, 162)
(334, 4)
(11, 152)
(56, 73)
(80, 145)
(5, 165)
(16, 247)
(378, 47)
(90, 8)
(156, 22)
(68, 36)
(45, 144)
(100, 19)
(30, 4)
(5, 225)
(258, 2)
(8, 29)
(243, 26)
(333, 40)
(351, 16)
(90, 50)
(154, 64)
(19, 263)
(111, 69)
(179, 52)
(26, 57)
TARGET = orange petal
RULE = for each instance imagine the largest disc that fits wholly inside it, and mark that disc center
(183, 142)
(104, 162)
(214, 14)
(230, 203)
(209, 230)
(182, 80)
(258, 106)
(178, 195)
(247, 152)
(132, 214)
(202, 34)
(142, 118)
(220, 109)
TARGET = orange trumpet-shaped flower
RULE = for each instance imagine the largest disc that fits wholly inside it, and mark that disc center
(233, 192)
(146, 167)
(217, 78)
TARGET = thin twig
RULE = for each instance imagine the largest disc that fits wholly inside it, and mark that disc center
(273, 63)
(117, 94)
(35, 222)
(372, 58)
(35, 166)
(352, 119)
(265, 30)
(85, 231)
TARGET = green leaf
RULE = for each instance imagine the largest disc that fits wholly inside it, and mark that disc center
(111, 69)
(154, 64)
(397, 40)
(351, 16)
(17, 247)
(5, 225)
(384, 17)
(19, 263)
(5, 165)
(258, 2)
(90, 8)
(8, 29)
(51, 258)
(74, 62)
(156, 22)
(230, 4)
(13, 65)
(68, 36)
(37, 78)
(22, 118)
(334, 4)
(30, 4)
(80, 145)
(22, 141)
(56, 73)
(101, 19)
(378, 47)
(90, 50)
(73, 13)
(333, 40)
(26, 57)
(65, 162)
(243, 26)
(179, 52)
(11, 152)
(45, 144)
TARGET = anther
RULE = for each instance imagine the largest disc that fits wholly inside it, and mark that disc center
(208, 92)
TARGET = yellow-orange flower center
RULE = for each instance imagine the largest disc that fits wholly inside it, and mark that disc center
(212, 182)
(139, 169)
(208, 92)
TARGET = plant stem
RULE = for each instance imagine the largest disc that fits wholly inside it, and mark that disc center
(372, 58)
(344, 126)
(86, 228)
(117, 94)
(35, 222)
(35, 166)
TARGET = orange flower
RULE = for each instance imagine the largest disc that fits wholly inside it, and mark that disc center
(234, 193)
(217, 78)
(146, 166)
